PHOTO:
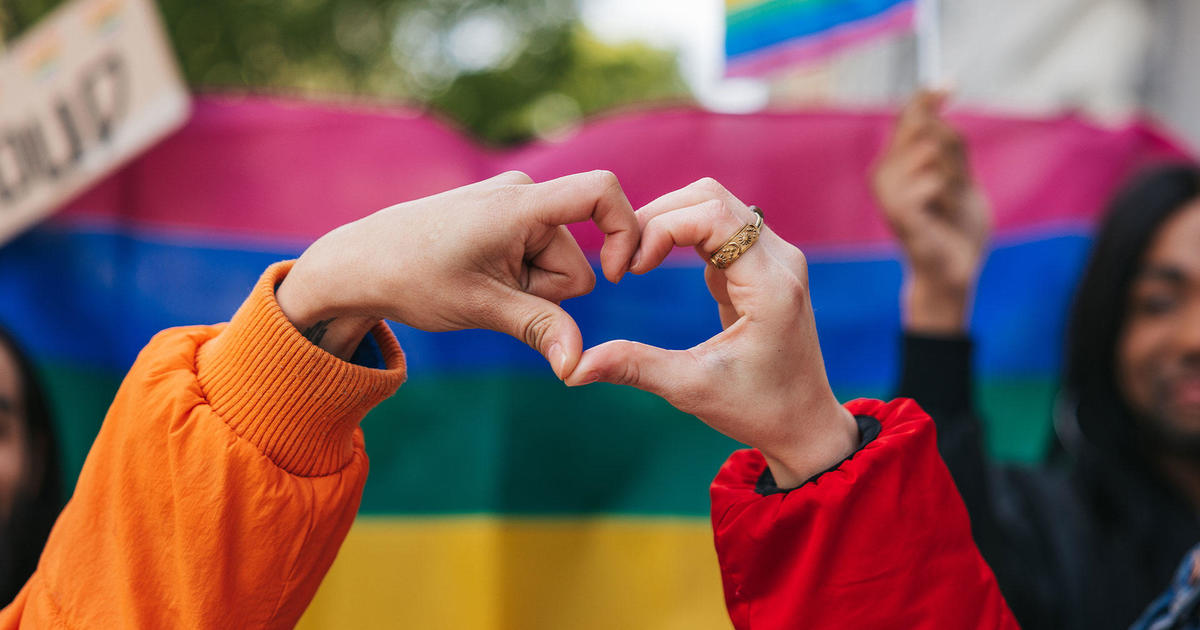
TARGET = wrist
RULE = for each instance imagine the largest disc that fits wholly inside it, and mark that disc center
(306, 404)
(314, 305)
(803, 458)
(935, 307)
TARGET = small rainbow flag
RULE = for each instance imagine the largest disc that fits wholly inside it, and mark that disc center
(762, 36)
(104, 15)
(43, 61)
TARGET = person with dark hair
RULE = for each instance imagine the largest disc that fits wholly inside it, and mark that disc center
(29, 472)
(1089, 539)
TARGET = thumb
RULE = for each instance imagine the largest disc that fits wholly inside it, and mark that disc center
(542, 324)
(674, 375)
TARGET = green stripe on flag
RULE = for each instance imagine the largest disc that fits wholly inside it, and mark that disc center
(523, 443)
(771, 10)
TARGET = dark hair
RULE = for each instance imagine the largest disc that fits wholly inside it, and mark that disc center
(1101, 303)
(33, 512)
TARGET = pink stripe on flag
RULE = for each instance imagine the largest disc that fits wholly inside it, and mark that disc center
(257, 168)
(804, 50)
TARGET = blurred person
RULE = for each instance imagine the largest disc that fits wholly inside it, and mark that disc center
(231, 463)
(29, 473)
(1087, 542)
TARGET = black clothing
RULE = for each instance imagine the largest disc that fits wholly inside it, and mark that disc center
(1088, 543)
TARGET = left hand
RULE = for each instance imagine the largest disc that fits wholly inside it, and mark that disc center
(762, 380)
(495, 254)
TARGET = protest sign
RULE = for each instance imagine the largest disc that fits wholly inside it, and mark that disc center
(88, 88)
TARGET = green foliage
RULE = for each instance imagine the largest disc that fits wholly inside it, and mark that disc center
(550, 88)
(505, 70)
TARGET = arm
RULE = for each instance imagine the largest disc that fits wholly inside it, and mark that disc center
(230, 465)
(881, 541)
(941, 218)
(225, 476)
(924, 185)
(813, 528)
(937, 373)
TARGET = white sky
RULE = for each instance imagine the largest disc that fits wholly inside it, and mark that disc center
(693, 28)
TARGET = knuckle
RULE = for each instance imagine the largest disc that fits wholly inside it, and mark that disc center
(717, 209)
(797, 259)
(653, 227)
(583, 283)
(924, 128)
(606, 180)
(536, 327)
(927, 150)
(948, 137)
(791, 281)
(708, 185)
(795, 286)
(723, 214)
(885, 178)
(791, 293)
(878, 181)
(516, 177)
(629, 374)
(510, 195)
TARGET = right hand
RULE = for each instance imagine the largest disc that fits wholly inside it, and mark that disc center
(924, 185)
(761, 380)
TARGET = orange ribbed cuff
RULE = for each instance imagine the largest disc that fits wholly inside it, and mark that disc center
(298, 404)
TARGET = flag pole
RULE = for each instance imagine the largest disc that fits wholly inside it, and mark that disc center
(929, 44)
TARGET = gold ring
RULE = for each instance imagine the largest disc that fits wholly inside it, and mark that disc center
(739, 243)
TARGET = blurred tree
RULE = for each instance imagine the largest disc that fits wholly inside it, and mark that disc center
(504, 69)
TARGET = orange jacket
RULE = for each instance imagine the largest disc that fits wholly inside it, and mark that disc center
(223, 481)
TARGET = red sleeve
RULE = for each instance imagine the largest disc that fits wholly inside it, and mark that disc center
(882, 541)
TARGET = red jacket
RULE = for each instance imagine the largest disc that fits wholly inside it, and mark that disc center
(882, 541)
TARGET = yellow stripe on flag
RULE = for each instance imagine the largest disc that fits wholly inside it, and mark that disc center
(491, 573)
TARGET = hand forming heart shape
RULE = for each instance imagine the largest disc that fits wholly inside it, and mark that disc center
(497, 255)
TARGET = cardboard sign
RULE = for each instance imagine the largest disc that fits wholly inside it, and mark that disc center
(88, 88)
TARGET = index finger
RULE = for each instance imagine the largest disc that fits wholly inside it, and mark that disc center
(705, 226)
(916, 115)
(597, 196)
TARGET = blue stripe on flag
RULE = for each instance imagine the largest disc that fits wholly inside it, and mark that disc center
(96, 297)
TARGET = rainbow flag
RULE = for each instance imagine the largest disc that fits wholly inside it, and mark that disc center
(498, 498)
(762, 36)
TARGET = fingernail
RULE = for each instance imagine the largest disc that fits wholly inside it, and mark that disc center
(558, 359)
(592, 377)
(637, 257)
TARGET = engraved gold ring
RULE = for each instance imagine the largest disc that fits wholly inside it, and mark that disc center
(739, 243)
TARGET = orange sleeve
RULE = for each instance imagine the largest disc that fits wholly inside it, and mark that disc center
(224, 478)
